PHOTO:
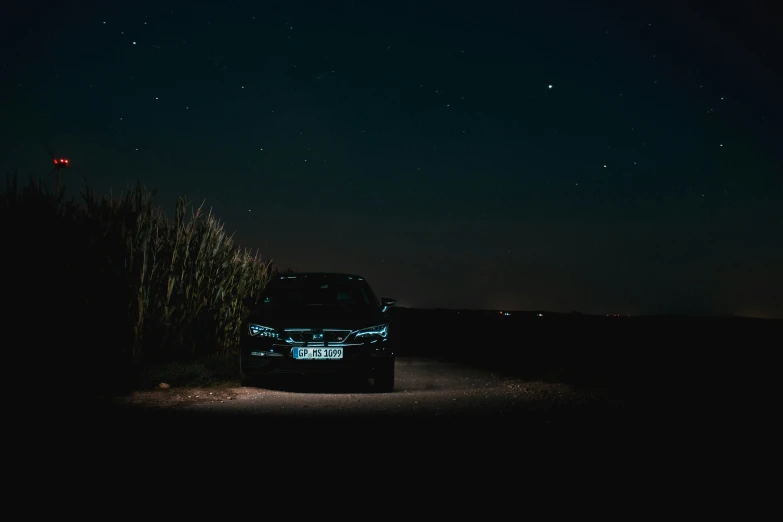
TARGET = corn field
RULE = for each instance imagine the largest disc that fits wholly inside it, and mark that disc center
(137, 284)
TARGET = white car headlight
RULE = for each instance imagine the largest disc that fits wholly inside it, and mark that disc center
(256, 330)
(382, 330)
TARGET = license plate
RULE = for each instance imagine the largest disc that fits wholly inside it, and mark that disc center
(318, 354)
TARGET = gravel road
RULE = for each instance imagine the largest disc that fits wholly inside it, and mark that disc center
(424, 388)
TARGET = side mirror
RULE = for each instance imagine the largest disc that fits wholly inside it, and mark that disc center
(387, 302)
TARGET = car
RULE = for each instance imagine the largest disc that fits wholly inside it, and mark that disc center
(315, 323)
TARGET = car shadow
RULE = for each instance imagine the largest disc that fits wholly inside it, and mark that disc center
(315, 384)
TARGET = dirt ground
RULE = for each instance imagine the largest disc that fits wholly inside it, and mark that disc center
(423, 387)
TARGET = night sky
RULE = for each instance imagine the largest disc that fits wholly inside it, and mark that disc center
(565, 156)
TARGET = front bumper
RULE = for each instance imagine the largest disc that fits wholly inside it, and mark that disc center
(265, 357)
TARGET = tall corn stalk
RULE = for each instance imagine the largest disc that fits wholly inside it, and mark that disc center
(179, 279)
(138, 223)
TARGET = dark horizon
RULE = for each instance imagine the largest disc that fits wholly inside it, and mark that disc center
(544, 313)
(563, 156)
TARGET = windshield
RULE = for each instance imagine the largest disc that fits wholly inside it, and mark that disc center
(298, 292)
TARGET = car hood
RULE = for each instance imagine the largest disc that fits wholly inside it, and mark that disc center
(315, 316)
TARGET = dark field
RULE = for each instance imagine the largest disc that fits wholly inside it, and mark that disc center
(631, 357)
(632, 368)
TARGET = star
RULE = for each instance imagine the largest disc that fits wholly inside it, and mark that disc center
(134, 43)
(550, 86)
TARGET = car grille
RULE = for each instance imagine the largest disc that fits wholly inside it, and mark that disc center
(300, 335)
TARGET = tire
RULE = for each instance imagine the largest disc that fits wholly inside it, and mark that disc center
(245, 379)
(383, 380)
